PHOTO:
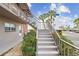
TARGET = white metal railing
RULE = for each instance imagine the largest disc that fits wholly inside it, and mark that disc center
(40, 25)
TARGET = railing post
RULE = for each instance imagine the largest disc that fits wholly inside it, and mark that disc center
(64, 49)
(72, 51)
(59, 47)
(68, 51)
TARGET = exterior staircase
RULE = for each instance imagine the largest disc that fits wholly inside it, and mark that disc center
(45, 44)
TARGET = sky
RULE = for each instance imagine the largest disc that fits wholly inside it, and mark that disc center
(68, 12)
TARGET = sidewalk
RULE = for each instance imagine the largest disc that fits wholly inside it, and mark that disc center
(74, 37)
(16, 51)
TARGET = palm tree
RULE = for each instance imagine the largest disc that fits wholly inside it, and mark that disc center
(77, 22)
(49, 14)
(42, 17)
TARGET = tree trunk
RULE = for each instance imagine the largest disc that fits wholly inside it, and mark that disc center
(44, 24)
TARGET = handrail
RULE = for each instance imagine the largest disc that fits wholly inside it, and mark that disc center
(37, 19)
(66, 42)
(32, 21)
(64, 47)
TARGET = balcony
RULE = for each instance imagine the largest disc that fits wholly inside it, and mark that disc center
(12, 11)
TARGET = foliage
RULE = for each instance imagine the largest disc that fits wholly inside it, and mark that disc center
(29, 44)
(76, 21)
(68, 27)
(45, 15)
(52, 13)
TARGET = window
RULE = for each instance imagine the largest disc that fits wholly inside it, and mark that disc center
(10, 27)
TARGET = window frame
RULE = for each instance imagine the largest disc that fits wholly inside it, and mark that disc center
(9, 28)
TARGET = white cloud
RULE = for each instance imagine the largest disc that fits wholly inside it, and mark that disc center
(29, 5)
(62, 21)
(59, 8)
(63, 9)
(52, 6)
(76, 16)
(39, 13)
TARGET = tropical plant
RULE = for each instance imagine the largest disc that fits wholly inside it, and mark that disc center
(29, 44)
(67, 27)
(52, 13)
(49, 14)
(76, 21)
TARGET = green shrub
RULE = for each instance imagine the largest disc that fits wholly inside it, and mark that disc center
(29, 44)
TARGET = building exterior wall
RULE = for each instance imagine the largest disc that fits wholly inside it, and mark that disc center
(5, 20)
(25, 28)
(9, 39)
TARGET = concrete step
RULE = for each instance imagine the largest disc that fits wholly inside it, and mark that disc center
(48, 49)
(43, 33)
(45, 39)
(45, 43)
(47, 46)
(47, 53)
(44, 36)
(43, 30)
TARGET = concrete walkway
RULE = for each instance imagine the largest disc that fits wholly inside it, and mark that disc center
(16, 51)
(74, 37)
(8, 42)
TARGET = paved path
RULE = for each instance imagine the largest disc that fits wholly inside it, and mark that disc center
(74, 37)
(16, 51)
(8, 41)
